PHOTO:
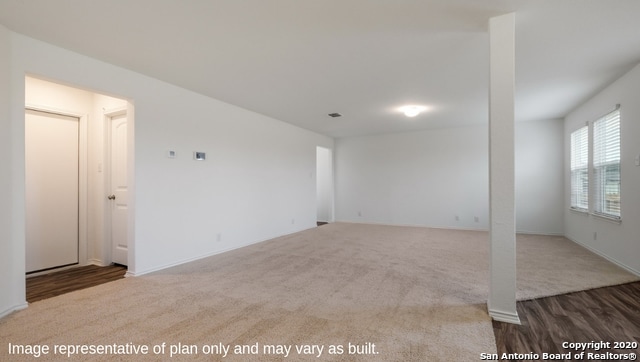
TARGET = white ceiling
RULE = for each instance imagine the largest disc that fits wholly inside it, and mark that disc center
(298, 60)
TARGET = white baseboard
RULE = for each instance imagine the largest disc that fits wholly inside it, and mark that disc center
(184, 261)
(627, 268)
(15, 308)
(524, 232)
(96, 262)
(449, 227)
(410, 225)
(501, 316)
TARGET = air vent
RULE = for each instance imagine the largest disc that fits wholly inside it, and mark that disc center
(334, 115)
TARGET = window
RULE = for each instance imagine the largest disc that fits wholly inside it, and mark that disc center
(602, 192)
(580, 169)
(606, 165)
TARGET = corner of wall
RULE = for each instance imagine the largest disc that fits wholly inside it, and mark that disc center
(616, 242)
(11, 277)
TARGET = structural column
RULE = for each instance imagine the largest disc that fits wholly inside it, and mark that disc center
(502, 287)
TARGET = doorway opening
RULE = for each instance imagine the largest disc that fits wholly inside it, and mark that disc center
(68, 168)
(324, 185)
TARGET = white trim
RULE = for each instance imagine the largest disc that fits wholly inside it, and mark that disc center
(629, 269)
(54, 110)
(612, 219)
(189, 260)
(15, 308)
(501, 316)
(216, 252)
(579, 211)
(106, 174)
(131, 185)
(411, 225)
(96, 262)
(524, 232)
(83, 173)
(117, 111)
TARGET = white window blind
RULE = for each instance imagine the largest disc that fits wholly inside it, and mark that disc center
(606, 165)
(580, 169)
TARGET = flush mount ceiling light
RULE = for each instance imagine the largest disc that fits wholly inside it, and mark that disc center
(412, 111)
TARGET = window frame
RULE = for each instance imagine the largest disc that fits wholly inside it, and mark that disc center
(596, 200)
(575, 204)
(597, 165)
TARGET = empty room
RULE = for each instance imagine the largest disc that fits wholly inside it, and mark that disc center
(319, 180)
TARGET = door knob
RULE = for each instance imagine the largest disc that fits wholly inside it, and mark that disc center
(111, 197)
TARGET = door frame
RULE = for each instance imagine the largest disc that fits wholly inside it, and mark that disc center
(83, 167)
(108, 243)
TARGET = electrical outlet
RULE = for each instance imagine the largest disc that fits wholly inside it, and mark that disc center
(293, 221)
(457, 218)
(595, 235)
(476, 219)
(360, 213)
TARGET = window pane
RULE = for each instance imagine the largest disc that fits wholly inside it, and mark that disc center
(606, 164)
(579, 169)
(607, 198)
(580, 189)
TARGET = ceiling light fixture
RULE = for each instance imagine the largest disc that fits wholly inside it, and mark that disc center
(412, 111)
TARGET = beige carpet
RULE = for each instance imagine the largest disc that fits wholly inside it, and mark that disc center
(552, 265)
(418, 294)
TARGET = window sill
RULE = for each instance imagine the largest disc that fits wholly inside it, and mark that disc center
(610, 219)
(579, 211)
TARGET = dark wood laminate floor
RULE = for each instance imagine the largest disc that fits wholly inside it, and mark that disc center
(610, 314)
(65, 281)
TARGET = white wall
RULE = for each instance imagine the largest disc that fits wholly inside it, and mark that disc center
(11, 287)
(324, 184)
(430, 177)
(539, 177)
(419, 178)
(258, 181)
(618, 242)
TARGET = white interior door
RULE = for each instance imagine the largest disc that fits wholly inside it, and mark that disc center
(118, 184)
(52, 186)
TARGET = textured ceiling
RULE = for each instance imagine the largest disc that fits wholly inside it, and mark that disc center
(297, 60)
